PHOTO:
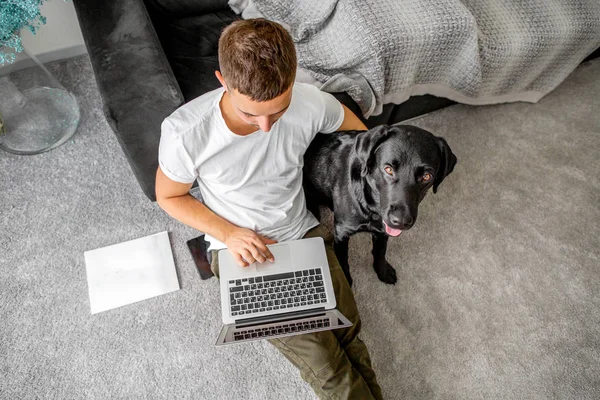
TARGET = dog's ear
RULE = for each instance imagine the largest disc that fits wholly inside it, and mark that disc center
(366, 144)
(447, 162)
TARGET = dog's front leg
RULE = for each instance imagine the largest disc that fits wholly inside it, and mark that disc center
(340, 246)
(385, 272)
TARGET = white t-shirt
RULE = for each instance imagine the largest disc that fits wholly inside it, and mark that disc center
(252, 181)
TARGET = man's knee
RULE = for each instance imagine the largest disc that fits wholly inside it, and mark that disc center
(322, 362)
(315, 350)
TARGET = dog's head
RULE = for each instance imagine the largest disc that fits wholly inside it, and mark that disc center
(401, 163)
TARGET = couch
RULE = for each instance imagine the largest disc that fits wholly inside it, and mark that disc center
(151, 56)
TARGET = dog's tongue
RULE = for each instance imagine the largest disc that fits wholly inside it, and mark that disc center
(392, 231)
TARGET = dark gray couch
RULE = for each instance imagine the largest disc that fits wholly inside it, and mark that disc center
(151, 56)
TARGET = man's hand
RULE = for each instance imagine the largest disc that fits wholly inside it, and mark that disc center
(247, 246)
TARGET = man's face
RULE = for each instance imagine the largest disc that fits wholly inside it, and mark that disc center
(260, 114)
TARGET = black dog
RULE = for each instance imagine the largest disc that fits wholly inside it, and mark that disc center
(373, 181)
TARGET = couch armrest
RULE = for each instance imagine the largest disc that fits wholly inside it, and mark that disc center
(136, 83)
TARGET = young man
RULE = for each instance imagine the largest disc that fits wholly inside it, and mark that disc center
(245, 143)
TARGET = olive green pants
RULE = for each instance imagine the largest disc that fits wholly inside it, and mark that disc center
(335, 363)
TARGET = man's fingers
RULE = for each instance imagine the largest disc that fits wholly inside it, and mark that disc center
(239, 260)
(256, 253)
(266, 240)
(259, 250)
(247, 256)
(265, 249)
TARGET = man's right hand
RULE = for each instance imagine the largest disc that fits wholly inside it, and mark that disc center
(247, 246)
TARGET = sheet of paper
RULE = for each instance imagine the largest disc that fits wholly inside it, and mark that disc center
(129, 272)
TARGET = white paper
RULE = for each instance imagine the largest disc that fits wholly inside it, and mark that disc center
(129, 272)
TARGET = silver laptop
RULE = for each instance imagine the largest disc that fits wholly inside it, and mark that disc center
(291, 296)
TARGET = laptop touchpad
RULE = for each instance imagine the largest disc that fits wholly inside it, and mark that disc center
(283, 258)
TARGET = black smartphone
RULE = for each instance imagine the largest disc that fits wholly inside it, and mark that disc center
(198, 247)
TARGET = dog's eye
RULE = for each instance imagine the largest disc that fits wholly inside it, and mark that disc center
(426, 177)
(389, 170)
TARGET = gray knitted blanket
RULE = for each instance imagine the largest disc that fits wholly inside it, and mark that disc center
(470, 51)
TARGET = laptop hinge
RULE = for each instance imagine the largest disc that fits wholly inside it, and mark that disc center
(279, 316)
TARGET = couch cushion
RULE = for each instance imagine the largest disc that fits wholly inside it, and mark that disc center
(184, 8)
(191, 47)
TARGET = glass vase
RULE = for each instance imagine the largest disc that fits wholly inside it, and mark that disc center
(37, 113)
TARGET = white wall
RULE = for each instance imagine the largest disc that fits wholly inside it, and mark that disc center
(60, 37)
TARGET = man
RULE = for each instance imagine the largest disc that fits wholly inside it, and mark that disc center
(245, 143)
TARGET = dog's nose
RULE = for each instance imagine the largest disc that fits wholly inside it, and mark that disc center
(401, 222)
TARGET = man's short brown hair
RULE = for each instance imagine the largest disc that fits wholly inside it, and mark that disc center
(257, 57)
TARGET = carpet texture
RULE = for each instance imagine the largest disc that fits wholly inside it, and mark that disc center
(499, 281)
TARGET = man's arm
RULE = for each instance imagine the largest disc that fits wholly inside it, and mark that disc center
(351, 122)
(246, 245)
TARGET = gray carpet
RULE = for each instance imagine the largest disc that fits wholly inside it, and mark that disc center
(499, 282)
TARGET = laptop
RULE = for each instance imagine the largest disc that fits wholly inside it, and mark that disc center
(291, 296)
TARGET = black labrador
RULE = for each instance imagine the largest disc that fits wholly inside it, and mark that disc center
(373, 181)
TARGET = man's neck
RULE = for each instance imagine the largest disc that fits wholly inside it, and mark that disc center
(233, 122)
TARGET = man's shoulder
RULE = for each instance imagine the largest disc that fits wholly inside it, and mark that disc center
(306, 90)
(309, 103)
(305, 99)
(193, 114)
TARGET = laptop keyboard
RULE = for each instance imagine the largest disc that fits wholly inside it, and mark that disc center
(281, 329)
(275, 292)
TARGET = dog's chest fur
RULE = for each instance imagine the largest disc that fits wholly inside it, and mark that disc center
(350, 225)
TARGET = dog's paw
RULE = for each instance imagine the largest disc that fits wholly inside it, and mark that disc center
(386, 273)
